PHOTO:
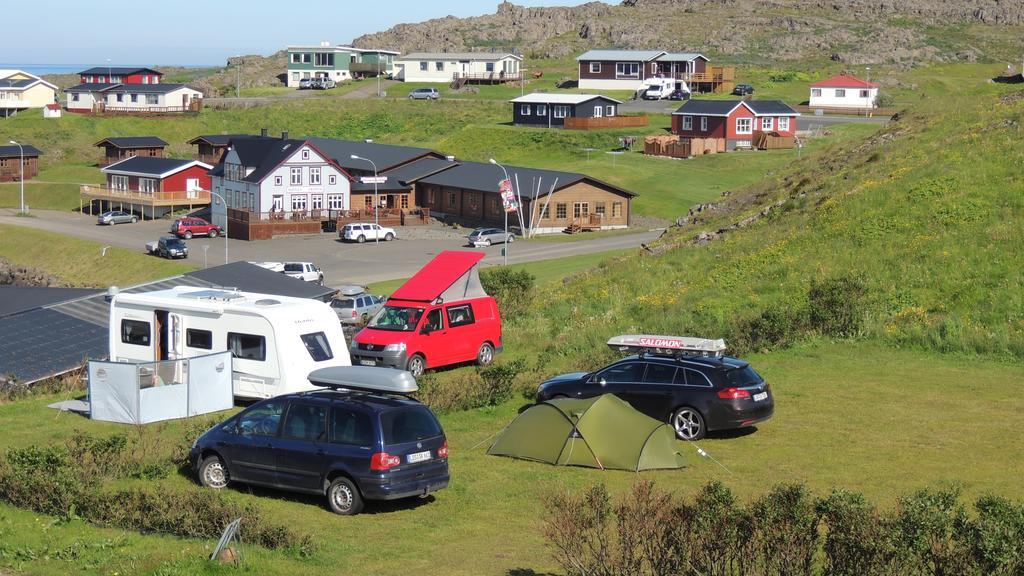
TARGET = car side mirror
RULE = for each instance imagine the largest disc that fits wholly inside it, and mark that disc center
(602, 382)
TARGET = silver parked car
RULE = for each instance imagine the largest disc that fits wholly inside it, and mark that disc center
(424, 94)
(116, 217)
(488, 236)
(305, 83)
(354, 306)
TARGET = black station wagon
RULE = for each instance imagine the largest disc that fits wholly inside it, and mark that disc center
(353, 443)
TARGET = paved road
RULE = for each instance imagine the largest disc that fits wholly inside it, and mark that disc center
(342, 263)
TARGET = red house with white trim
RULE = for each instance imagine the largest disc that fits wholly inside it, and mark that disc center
(734, 120)
(152, 185)
(844, 91)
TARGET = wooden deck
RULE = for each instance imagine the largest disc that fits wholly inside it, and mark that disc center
(154, 199)
(606, 122)
(245, 225)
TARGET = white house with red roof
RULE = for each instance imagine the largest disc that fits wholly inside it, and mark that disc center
(844, 91)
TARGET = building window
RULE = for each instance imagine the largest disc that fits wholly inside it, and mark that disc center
(295, 76)
(744, 125)
(404, 202)
(703, 123)
(595, 67)
(783, 124)
(119, 182)
(147, 185)
(335, 201)
(305, 154)
(580, 209)
(135, 332)
(252, 201)
(152, 99)
(561, 111)
(627, 69)
(490, 67)
(135, 98)
(815, 92)
(423, 66)
(314, 176)
(120, 97)
(599, 209)
(202, 339)
(524, 109)
(439, 66)
(543, 211)
(561, 212)
(296, 176)
(863, 93)
(767, 124)
(74, 97)
(368, 202)
(451, 200)
(430, 196)
(247, 346)
(542, 109)
(296, 58)
(840, 93)
(332, 179)
(298, 202)
(324, 59)
(495, 205)
(616, 209)
(278, 181)
(687, 123)
(609, 110)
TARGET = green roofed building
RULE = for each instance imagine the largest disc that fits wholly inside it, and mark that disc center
(337, 62)
(602, 432)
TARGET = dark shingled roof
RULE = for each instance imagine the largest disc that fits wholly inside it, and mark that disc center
(15, 152)
(218, 139)
(386, 156)
(118, 71)
(97, 87)
(725, 107)
(15, 299)
(133, 142)
(251, 278)
(127, 88)
(485, 178)
(419, 169)
(148, 165)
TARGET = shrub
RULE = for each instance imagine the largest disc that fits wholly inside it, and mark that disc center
(513, 289)
(785, 526)
(835, 305)
(858, 541)
(994, 539)
(488, 386)
(775, 327)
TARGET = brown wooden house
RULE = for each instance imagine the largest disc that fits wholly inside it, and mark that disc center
(117, 149)
(551, 201)
(11, 158)
(210, 147)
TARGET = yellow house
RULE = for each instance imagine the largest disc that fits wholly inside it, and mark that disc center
(20, 90)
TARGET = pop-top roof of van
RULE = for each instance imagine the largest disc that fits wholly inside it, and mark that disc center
(451, 274)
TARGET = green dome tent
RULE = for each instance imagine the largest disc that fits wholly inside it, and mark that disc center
(602, 432)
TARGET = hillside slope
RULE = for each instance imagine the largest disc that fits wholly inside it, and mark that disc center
(916, 230)
(859, 31)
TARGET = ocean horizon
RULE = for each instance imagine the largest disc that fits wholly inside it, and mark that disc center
(45, 69)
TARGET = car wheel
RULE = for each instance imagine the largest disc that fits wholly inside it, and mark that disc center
(688, 424)
(389, 237)
(416, 365)
(188, 234)
(361, 239)
(213, 233)
(343, 497)
(213, 473)
(134, 220)
(511, 238)
(364, 320)
(485, 355)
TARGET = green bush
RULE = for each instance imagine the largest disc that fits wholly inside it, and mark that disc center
(835, 305)
(488, 386)
(513, 289)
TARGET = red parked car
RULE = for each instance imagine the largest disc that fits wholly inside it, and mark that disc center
(441, 316)
(189, 227)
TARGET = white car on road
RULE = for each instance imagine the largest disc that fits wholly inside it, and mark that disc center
(361, 232)
(305, 271)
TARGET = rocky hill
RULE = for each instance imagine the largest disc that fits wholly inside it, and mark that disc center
(854, 31)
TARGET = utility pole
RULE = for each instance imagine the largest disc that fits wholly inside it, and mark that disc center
(504, 248)
(238, 76)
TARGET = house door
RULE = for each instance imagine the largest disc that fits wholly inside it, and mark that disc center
(464, 66)
(581, 211)
(598, 111)
(278, 203)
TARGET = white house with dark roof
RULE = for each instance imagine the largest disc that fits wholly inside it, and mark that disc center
(20, 90)
(448, 66)
(631, 69)
(129, 90)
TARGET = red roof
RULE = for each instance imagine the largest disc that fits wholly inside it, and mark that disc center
(53, 106)
(437, 276)
(844, 81)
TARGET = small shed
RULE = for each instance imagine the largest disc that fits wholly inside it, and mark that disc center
(117, 149)
(11, 159)
(52, 110)
(210, 147)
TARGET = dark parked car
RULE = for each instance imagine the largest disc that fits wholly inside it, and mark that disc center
(695, 394)
(117, 217)
(168, 247)
(743, 90)
(679, 95)
(364, 439)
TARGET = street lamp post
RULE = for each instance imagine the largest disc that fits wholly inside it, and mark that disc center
(21, 178)
(376, 202)
(238, 81)
(225, 203)
(504, 248)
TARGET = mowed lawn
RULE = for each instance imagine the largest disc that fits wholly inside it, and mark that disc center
(849, 415)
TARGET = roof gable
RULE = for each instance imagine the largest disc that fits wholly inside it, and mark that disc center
(151, 166)
(132, 142)
(725, 108)
(15, 152)
(844, 81)
(574, 99)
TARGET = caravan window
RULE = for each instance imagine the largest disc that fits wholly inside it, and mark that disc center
(247, 346)
(135, 332)
(202, 339)
(318, 347)
(460, 315)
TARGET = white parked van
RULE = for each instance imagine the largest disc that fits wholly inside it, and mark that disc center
(275, 341)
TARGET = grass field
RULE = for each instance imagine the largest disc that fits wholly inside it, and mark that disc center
(856, 416)
(80, 262)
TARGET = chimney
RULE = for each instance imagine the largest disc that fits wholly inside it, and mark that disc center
(263, 132)
(284, 135)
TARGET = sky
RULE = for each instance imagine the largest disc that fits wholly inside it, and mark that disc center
(206, 32)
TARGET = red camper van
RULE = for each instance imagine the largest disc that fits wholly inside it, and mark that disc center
(440, 316)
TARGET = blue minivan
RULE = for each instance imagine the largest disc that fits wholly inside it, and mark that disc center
(363, 439)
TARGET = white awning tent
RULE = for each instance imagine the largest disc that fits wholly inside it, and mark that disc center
(140, 393)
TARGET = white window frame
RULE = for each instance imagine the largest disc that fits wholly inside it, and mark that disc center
(622, 67)
(295, 176)
(865, 94)
(424, 66)
(542, 109)
(316, 202)
(703, 123)
(148, 185)
(767, 124)
(278, 181)
(748, 124)
(598, 111)
(815, 92)
(299, 202)
(595, 67)
(560, 111)
(332, 179)
(335, 201)
(118, 182)
(609, 110)
(687, 123)
(305, 153)
(524, 109)
(783, 124)
(152, 99)
(840, 93)
(314, 176)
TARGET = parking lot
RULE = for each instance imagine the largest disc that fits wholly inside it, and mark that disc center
(342, 263)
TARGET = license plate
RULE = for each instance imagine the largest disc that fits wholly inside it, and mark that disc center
(761, 396)
(418, 457)
(368, 362)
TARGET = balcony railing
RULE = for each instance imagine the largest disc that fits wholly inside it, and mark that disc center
(158, 198)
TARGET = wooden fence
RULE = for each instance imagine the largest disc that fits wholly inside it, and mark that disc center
(773, 141)
(826, 110)
(676, 147)
(246, 225)
(606, 122)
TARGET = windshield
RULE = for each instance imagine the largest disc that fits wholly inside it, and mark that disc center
(397, 318)
(410, 424)
(175, 243)
(741, 377)
(293, 267)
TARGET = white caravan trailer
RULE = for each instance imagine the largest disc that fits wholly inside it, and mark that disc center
(275, 341)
